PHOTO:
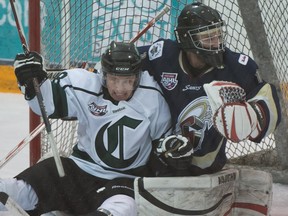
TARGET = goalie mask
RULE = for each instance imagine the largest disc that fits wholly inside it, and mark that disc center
(201, 30)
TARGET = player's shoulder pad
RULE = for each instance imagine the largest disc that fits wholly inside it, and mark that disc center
(77, 77)
(78, 73)
(148, 81)
(242, 60)
(159, 47)
(233, 56)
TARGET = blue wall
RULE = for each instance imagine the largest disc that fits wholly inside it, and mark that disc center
(10, 43)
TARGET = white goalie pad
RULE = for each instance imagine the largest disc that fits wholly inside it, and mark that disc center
(229, 192)
(254, 193)
(203, 195)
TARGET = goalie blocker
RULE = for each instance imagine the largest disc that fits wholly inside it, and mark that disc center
(229, 192)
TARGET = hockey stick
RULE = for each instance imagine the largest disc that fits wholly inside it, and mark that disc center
(39, 96)
(11, 205)
(150, 24)
(22, 144)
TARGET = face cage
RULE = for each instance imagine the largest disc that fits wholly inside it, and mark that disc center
(136, 83)
(203, 39)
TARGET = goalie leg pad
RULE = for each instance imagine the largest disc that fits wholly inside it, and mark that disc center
(203, 195)
(228, 192)
(254, 193)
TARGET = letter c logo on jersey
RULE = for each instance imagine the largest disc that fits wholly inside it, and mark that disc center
(169, 80)
(116, 154)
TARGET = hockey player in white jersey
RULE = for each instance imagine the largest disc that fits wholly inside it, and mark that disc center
(120, 111)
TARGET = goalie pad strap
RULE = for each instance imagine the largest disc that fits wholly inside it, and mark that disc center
(254, 207)
(3, 198)
(149, 197)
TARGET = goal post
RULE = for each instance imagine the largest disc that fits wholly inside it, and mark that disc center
(34, 44)
(73, 32)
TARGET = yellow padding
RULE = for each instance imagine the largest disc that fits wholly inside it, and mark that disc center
(8, 81)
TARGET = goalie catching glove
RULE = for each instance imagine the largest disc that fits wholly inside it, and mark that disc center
(26, 68)
(176, 151)
(233, 117)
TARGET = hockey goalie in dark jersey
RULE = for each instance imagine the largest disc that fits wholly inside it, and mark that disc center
(214, 93)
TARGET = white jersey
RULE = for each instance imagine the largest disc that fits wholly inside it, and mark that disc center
(113, 139)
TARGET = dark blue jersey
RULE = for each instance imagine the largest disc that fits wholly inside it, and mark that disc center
(188, 102)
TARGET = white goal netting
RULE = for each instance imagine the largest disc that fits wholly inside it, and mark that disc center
(78, 31)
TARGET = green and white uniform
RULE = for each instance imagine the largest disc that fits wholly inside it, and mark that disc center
(113, 138)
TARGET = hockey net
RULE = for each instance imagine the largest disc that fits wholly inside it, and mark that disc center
(75, 33)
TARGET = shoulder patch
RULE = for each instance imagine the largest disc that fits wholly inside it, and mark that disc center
(243, 59)
(169, 80)
(156, 49)
(97, 110)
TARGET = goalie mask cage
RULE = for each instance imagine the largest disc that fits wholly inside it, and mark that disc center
(74, 34)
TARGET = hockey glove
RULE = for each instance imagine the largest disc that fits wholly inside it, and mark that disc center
(26, 68)
(233, 117)
(176, 151)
